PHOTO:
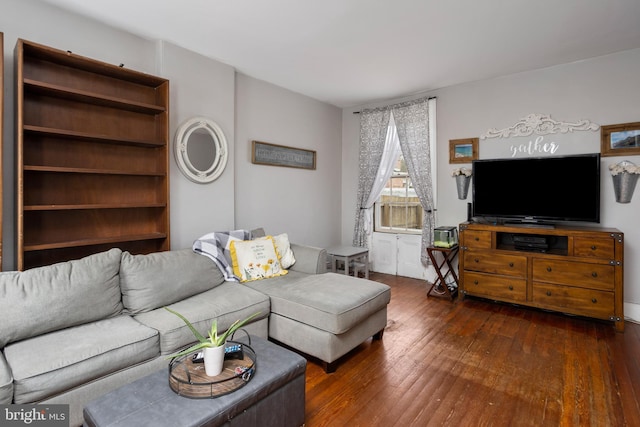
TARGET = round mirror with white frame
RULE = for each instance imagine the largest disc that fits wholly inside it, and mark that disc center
(201, 150)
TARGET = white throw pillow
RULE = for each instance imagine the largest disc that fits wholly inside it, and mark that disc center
(284, 250)
(255, 259)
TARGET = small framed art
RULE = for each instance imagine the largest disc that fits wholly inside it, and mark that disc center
(463, 150)
(620, 140)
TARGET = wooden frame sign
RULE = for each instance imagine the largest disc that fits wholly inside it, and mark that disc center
(620, 140)
(263, 153)
(463, 150)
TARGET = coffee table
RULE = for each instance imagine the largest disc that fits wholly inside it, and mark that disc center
(273, 397)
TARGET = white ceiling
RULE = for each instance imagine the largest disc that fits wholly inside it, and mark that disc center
(352, 52)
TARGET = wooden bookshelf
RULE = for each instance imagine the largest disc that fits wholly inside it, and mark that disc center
(92, 157)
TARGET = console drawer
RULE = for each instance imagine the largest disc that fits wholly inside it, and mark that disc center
(477, 239)
(490, 262)
(594, 248)
(498, 287)
(582, 274)
(569, 299)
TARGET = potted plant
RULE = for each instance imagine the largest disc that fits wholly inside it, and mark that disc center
(213, 345)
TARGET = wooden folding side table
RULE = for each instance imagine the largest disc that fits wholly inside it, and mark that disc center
(439, 287)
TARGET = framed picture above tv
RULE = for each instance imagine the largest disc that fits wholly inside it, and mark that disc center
(463, 150)
(620, 140)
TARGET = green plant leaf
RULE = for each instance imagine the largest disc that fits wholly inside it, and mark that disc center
(214, 340)
(197, 334)
(190, 350)
(235, 326)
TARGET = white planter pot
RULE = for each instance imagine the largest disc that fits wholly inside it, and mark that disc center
(213, 360)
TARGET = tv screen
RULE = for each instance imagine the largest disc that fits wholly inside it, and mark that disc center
(548, 189)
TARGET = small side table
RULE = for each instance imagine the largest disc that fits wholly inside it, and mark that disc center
(439, 286)
(349, 255)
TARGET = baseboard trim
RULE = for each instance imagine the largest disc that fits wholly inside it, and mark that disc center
(632, 312)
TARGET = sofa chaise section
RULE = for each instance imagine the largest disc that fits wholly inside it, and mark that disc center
(325, 315)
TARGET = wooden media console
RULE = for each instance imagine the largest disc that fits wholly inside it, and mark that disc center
(572, 270)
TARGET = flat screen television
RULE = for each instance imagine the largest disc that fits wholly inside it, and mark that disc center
(537, 190)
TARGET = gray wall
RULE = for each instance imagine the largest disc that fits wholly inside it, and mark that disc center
(303, 203)
(199, 87)
(604, 90)
(245, 195)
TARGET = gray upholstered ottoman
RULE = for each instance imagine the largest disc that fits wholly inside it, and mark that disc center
(325, 315)
(274, 397)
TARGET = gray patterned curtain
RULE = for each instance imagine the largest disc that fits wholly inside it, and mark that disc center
(373, 131)
(412, 124)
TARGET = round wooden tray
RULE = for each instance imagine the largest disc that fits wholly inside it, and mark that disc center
(190, 380)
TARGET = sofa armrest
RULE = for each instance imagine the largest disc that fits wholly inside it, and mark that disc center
(309, 259)
(6, 381)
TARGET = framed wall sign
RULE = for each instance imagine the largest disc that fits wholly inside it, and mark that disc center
(620, 140)
(263, 153)
(463, 150)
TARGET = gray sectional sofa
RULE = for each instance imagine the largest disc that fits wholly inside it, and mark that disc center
(73, 331)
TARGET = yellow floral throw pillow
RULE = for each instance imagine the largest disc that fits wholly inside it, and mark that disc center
(255, 259)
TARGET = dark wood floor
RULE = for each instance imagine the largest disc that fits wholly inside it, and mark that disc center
(477, 363)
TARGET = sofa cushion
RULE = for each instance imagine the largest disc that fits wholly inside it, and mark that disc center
(255, 259)
(162, 278)
(228, 302)
(58, 296)
(55, 362)
(330, 302)
(6, 381)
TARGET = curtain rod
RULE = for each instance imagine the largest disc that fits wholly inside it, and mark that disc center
(432, 97)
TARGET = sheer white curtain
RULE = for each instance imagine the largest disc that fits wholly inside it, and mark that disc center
(374, 126)
(390, 154)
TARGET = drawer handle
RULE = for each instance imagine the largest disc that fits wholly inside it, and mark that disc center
(511, 264)
(476, 260)
(593, 300)
(477, 239)
(549, 269)
(594, 274)
(510, 287)
(593, 247)
(475, 282)
(548, 293)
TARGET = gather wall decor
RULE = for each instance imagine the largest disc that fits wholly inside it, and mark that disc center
(540, 124)
(264, 153)
(540, 135)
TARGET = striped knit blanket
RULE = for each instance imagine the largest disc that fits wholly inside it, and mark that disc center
(216, 246)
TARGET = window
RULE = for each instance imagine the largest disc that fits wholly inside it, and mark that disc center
(398, 210)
